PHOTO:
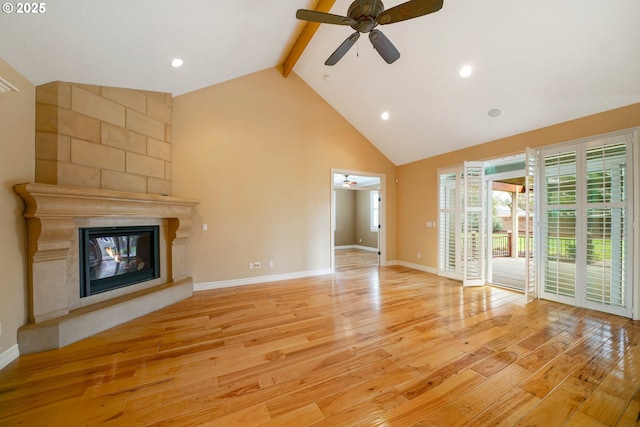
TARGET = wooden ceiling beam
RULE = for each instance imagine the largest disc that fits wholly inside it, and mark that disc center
(510, 188)
(304, 38)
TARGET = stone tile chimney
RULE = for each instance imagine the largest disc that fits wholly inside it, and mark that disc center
(103, 138)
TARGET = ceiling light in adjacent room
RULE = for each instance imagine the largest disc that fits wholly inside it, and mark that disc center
(177, 63)
(495, 113)
(384, 115)
(466, 71)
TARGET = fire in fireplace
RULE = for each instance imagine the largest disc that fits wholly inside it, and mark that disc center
(115, 257)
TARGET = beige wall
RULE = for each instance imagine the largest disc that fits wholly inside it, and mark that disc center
(345, 234)
(258, 151)
(17, 134)
(353, 218)
(417, 188)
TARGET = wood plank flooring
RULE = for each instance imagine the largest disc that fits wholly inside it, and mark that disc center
(350, 258)
(373, 346)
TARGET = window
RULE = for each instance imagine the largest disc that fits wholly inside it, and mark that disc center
(375, 210)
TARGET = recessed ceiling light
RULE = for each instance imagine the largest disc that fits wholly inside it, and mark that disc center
(384, 115)
(177, 63)
(466, 71)
(495, 112)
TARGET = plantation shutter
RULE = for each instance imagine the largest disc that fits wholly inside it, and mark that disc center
(587, 235)
(449, 224)
(531, 159)
(473, 226)
(605, 224)
(559, 210)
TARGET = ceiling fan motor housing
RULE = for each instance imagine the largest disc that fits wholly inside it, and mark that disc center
(364, 13)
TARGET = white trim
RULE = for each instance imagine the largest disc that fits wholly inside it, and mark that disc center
(635, 281)
(207, 286)
(9, 355)
(5, 86)
(419, 267)
(363, 248)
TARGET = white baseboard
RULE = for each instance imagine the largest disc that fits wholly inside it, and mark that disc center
(9, 355)
(420, 267)
(207, 286)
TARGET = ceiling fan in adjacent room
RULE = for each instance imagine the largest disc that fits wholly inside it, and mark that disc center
(363, 16)
(347, 183)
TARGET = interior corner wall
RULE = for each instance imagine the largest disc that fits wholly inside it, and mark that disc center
(257, 151)
(418, 181)
(17, 165)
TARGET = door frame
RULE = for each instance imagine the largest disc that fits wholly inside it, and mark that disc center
(382, 212)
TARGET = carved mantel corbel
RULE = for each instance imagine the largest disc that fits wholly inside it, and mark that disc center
(49, 241)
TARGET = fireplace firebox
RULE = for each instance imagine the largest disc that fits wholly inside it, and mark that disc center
(115, 257)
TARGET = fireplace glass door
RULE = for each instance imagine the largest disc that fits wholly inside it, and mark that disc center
(114, 257)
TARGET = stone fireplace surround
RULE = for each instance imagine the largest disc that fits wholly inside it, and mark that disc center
(54, 213)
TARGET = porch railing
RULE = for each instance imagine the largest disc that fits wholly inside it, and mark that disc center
(502, 247)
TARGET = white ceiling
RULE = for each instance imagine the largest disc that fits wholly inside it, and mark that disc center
(361, 182)
(540, 61)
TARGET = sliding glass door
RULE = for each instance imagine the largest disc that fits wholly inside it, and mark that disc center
(585, 227)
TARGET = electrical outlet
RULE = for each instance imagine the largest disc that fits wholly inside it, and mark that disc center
(256, 264)
(270, 264)
(419, 255)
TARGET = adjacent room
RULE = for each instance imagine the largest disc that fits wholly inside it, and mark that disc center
(320, 213)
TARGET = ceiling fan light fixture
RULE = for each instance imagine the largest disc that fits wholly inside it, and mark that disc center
(364, 17)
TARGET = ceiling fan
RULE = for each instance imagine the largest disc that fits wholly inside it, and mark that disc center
(363, 16)
(347, 183)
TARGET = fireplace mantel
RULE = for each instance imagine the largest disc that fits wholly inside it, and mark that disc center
(53, 214)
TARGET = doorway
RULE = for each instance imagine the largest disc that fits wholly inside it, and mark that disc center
(357, 220)
(467, 248)
(506, 262)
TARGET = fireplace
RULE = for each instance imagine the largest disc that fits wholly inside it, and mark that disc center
(115, 257)
(98, 258)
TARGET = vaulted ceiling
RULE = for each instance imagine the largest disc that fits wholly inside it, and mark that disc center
(539, 62)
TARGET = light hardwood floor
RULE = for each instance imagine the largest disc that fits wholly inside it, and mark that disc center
(355, 258)
(371, 346)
